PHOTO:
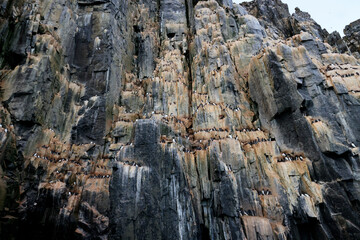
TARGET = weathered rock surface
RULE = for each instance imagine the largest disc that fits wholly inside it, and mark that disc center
(176, 120)
(352, 37)
(335, 40)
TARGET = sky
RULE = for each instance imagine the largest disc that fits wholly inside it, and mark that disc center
(330, 14)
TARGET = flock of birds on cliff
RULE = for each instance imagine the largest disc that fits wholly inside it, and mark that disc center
(287, 157)
(5, 129)
(223, 107)
(195, 144)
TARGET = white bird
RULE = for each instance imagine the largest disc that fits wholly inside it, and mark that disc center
(353, 145)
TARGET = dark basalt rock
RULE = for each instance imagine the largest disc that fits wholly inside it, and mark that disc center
(334, 39)
(271, 12)
(352, 37)
(146, 203)
(91, 126)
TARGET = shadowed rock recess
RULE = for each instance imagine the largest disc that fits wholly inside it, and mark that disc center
(176, 119)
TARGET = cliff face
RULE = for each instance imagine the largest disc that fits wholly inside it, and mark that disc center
(352, 37)
(176, 119)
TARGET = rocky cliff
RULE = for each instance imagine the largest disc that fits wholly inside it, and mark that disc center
(174, 119)
(352, 37)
